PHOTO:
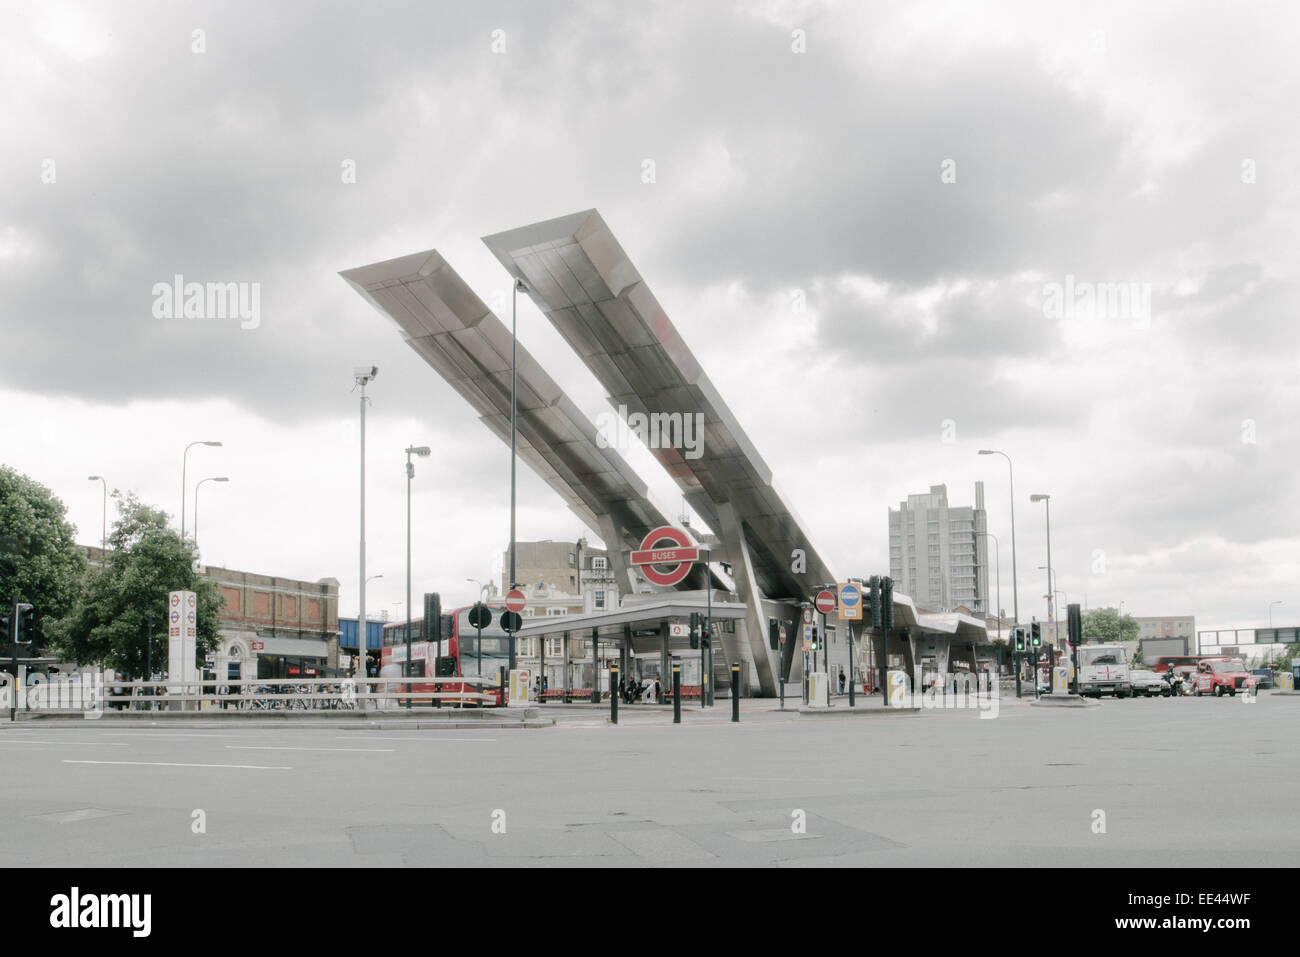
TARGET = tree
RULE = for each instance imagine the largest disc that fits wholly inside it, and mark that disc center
(1106, 624)
(110, 624)
(40, 561)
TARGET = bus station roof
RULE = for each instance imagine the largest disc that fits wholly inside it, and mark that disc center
(453, 330)
(579, 276)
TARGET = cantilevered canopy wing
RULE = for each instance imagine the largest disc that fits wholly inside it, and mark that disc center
(580, 277)
(453, 330)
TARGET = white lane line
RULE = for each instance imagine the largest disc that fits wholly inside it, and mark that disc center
(172, 764)
(109, 744)
(277, 747)
(367, 737)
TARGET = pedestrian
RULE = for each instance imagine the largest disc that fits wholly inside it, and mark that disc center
(659, 692)
(841, 679)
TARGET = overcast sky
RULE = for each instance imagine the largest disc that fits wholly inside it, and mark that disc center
(859, 218)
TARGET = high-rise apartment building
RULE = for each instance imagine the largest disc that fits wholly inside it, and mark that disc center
(938, 554)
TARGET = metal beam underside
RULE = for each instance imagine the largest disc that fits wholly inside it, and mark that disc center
(455, 332)
(580, 277)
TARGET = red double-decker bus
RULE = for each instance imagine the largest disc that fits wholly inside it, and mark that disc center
(461, 654)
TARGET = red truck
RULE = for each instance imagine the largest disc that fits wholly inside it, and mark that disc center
(1220, 676)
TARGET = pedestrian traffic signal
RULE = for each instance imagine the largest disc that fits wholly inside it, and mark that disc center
(695, 629)
(1037, 634)
(1020, 639)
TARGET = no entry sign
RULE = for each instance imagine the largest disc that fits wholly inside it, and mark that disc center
(516, 600)
(825, 602)
(666, 555)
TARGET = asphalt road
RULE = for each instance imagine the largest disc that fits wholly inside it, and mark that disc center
(1194, 782)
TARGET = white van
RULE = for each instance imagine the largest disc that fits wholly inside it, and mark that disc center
(1103, 669)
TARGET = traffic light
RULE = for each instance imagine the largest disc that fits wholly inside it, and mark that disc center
(695, 629)
(874, 597)
(1037, 634)
(4, 630)
(1074, 623)
(706, 634)
(814, 638)
(887, 603)
(25, 626)
(1020, 639)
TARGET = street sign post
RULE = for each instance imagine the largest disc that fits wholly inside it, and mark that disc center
(850, 602)
(666, 556)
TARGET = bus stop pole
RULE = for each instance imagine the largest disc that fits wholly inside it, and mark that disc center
(613, 695)
(735, 691)
(677, 693)
(848, 625)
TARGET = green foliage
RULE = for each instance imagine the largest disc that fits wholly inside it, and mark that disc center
(110, 623)
(40, 561)
(1106, 624)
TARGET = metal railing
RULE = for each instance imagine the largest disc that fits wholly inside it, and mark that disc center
(294, 694)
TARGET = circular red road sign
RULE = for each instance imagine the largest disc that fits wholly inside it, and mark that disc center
(782, 634)
(516, 600)
(669, 549)
(825, 602)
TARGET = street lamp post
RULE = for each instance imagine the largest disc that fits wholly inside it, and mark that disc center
(997, 552)
(423, 451)
(1015, 591)
(362, 644)
(517, 288)
(103, 541)
(1051, 601)
(364, 375)
(220, 478)
(184, 466)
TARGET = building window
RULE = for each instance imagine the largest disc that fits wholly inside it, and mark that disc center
(599, 563)
(600, 598)
(572, 582)
(571, 560)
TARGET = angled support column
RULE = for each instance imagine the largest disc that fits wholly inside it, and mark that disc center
(742, 571)
(618, 562)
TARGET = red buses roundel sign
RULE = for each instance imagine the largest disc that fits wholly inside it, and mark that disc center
(666, 555)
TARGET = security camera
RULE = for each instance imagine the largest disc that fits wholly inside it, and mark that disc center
(365, 373)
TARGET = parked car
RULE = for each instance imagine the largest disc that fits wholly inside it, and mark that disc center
(1220, 676)
(1263, 678)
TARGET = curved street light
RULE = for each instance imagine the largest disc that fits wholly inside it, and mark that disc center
(184, 466)
(218, 478)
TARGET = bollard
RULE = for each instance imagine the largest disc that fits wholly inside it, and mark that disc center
(501, 676)
(613, 695)
(677, 694)
(735, 691)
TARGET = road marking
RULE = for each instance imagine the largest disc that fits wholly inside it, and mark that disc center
(366, 737)
(111, 744)
(173, 764)
(277, 747)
